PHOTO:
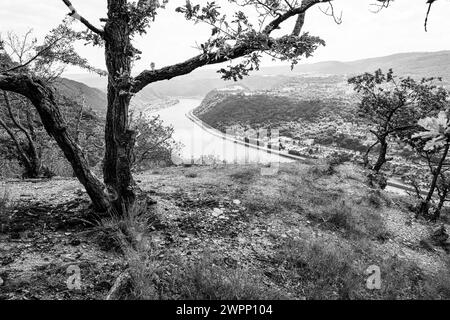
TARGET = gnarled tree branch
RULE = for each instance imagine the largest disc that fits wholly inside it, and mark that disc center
(42, 97)
(239, 50)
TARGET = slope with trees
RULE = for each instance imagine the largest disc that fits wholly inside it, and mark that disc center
(233, 38)
(393, 106)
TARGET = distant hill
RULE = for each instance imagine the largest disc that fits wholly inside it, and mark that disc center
(416, 64)
(223, 109)
(202, 81)
(95, 98)
(195, 84)
(312, 90)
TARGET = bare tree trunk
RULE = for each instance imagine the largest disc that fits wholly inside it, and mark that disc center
(44, 101)
(442, 199)
(77, 126)
(119, 139)
(366, 155)
(381, 156)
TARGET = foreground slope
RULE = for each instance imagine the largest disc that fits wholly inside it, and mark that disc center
(308, 232)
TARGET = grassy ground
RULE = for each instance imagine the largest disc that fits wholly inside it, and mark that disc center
(231, 233)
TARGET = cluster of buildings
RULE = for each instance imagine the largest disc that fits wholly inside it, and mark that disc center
(321, 137)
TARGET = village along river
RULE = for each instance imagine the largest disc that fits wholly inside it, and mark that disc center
(200, 144)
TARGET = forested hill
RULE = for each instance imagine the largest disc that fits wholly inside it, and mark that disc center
(294, 100)
(94, 98)
(202, 81)
(415, 64)
(311, 91)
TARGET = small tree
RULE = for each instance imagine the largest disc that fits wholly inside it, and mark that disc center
(18, 118)
(393, 106)
(154, 143)
(24, 135)
(433, 144)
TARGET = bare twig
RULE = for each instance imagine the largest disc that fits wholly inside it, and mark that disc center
(330, 12)
(430, 3)
(74, 14)
(37, 55)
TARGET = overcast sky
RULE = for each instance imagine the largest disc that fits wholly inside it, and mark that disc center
(171, 39)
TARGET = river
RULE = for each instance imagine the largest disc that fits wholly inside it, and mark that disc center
(200, 143)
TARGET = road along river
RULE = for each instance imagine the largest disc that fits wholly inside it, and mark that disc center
(201, 143)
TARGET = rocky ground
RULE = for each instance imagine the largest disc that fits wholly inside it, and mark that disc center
(42, 235)
(226, 232)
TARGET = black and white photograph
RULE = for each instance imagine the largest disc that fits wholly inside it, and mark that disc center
(221, 156)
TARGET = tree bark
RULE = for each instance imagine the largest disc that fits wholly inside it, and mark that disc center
(366, 155)
(440, 205)
(77, 127)
(381, 156)
(41, 96)
(119, 139)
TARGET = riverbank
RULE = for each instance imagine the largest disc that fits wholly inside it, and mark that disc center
(393, 184)
(199, 143)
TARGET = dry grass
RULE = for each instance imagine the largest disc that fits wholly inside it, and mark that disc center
(205, 279)
(319, 271)
(191, 175)
(326, 271)
(154, 278)
(350, 217)
(245, 175)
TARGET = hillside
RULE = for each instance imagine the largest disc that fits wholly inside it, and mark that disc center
(196, 84)
(223, 233)
(202, 81)
(294, 100)
(257, 110)
(95, 98)
(415, 64)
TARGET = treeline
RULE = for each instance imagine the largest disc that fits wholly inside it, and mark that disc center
(411, 112)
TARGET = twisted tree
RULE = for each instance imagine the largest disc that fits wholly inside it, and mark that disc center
(393, 106)
(232, 37)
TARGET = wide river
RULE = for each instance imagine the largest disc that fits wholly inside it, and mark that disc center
(198, 142)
